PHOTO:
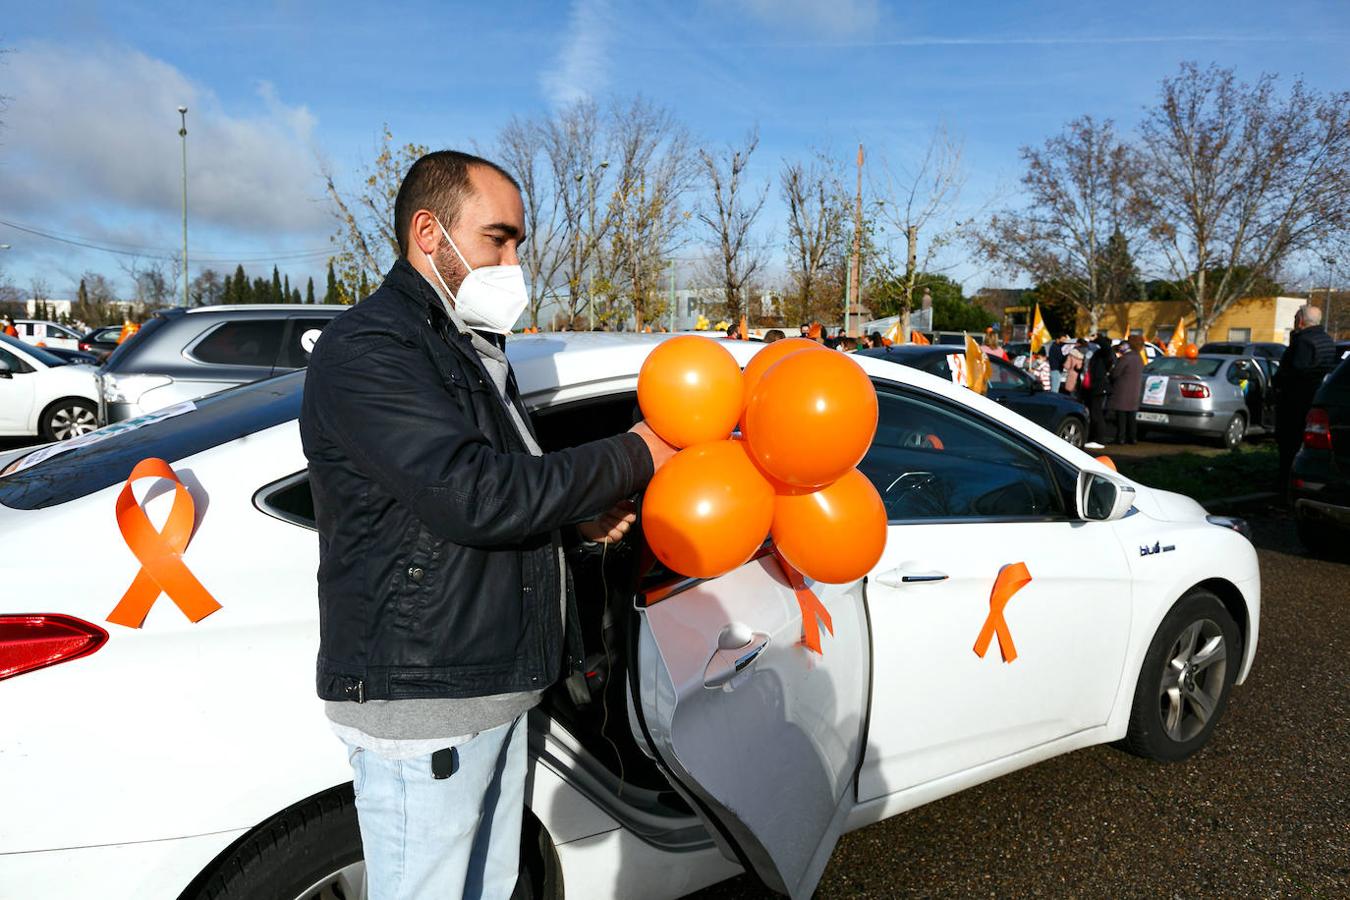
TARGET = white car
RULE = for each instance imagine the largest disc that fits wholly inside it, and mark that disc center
(184, 759)
(40, 394)
(41, 333)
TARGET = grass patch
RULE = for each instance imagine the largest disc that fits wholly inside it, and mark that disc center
(1246, 470)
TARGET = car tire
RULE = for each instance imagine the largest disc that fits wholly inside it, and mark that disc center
(1072, 430)
(312, 851)
(1185, 680)
(1235, 432)
(67, 418)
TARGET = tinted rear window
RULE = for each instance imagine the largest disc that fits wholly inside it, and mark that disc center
(248, 342)
(1176, 365)
(217, 419)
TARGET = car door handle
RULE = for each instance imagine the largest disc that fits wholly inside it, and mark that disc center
(901, 576)
(737, 650)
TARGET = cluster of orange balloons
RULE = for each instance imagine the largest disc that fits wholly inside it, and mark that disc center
(806, 417)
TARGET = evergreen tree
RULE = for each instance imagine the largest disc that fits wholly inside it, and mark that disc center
(262, 291)
(286, 289)
(294, 297)
(309, 291)
(241, 291)
(82, 294)
(332, 295)
(275, 294)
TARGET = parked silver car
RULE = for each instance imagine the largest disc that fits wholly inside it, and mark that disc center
(183, 354)
(1215, 396)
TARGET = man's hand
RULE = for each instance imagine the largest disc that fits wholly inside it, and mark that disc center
(660, 450)
(610, 527)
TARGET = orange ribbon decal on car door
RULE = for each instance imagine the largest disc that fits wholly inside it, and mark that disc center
(1011, 579)
(160, 552)
(812, 608)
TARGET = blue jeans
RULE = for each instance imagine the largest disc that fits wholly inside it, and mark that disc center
(429, 839)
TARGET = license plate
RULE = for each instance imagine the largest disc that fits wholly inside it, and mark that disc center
(1153, 418)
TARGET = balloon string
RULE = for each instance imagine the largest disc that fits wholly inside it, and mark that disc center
(814, 613)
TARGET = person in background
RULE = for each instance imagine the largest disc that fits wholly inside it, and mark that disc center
(9, 328)
(1039, 368)
(805, 329)
(993, 346)
(773, 334)
(1096, 385)
(815, 332)
(846, 344)
(1310, 356)
(733, 332)
(876, 339)
(1127, 381)
(1055, 358)
(1075, 357)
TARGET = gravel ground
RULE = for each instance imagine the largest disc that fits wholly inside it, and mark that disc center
(1263, 811)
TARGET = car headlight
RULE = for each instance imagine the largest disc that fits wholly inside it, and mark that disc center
(130, 388)
(1233, 523)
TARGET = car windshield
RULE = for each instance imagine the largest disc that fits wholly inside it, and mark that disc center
(41, 355)
(97, 464)
(1176, 365)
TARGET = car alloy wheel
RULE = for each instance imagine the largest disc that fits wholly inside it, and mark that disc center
(347, 883)
(1237, 430)
(1071, 430)
(1193, 680)
(71, 421)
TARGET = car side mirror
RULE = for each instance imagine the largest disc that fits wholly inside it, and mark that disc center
(5, 370)
(1103, 499)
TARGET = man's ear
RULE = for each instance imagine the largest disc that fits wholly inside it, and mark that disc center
(424, 234)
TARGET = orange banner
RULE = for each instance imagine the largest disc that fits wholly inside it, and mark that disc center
(160, 552)
(1011, 579)
(812, 608)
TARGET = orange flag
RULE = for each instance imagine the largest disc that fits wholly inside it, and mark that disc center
(916, 337)
(745, 330)
(160, 552)
(1011, 579)
(977, 367)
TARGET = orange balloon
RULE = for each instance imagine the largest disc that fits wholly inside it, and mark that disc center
(707, 510)
(1192, 351)
(835, 534)
(811, 418)
(764, 359)
(690, 390)
(1108, 462)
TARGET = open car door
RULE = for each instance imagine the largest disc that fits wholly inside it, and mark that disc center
(762, 735)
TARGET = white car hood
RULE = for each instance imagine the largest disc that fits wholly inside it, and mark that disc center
(1165, 506)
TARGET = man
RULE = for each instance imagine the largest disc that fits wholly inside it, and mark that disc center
(1094, 389)
(443, 602)
(1310, 356)
(1055, 358)
(773, 334)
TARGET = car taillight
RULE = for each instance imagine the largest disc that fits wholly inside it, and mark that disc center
(1194, 391)
(1317, 430)
(35, 640)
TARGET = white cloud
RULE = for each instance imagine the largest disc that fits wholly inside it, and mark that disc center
(91, 132)
(582, 66)
(833, 18)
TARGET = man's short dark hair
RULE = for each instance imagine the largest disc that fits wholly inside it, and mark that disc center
(438, 182)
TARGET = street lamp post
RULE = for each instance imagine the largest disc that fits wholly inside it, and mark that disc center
(182, 133)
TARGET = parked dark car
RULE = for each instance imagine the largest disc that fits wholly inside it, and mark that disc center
(1259, 349)
(102, 341)
(1320, 480)
(181, 354)
(1008, 385)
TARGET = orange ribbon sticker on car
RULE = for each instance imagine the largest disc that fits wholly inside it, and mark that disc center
(1011, 579)
(814, 613)
(160, 552)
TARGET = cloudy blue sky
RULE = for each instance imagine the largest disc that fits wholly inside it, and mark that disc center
(89, 147)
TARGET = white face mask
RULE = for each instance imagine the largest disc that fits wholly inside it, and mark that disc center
(491, 298)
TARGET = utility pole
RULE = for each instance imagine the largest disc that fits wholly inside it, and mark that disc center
(182, 133)
(854, 293)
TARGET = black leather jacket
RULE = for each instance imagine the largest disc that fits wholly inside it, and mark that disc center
(438, 531)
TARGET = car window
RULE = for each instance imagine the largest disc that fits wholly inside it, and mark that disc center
(1177, 365)
(217, 419)
(1239, 371)
(1267, 366)
(38, 353)
(122, 350)
(1003, 375)
(289, 499)
(247, 342)
(300, 342)
(11, 363)
(932, 460)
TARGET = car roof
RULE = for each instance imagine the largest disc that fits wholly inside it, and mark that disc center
(230, 308)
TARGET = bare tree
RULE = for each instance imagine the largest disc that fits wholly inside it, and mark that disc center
(206, 289)
(365, 239)
(523, 148)
(1240, 178)
(915, 202)
(1082, 188)
(575, 143)
(816, 227)
(728, 215)
(652, 170)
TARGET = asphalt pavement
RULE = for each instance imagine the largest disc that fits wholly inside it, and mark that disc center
(1262, 811)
